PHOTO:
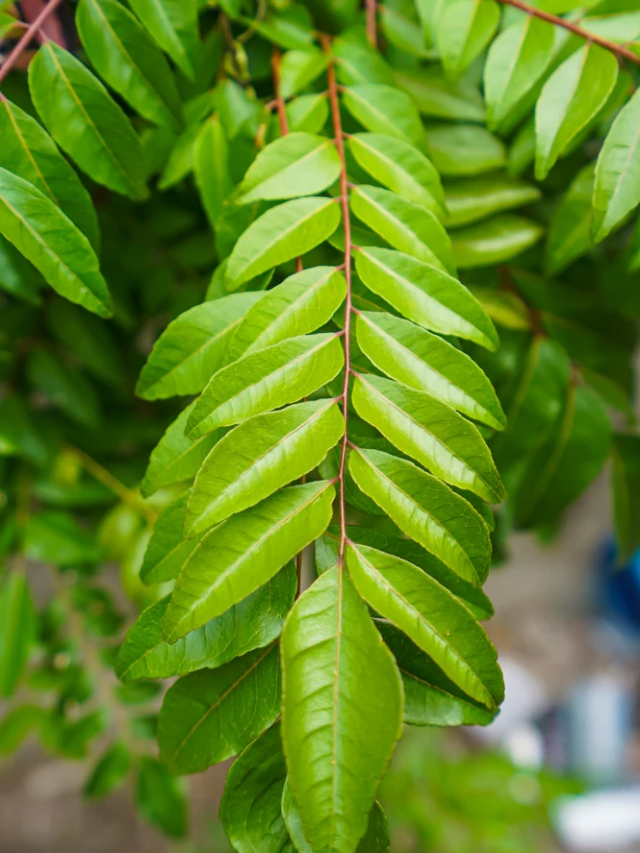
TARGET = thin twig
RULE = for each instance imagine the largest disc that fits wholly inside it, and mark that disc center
(279, 100)
(26, 39)
(372, 25)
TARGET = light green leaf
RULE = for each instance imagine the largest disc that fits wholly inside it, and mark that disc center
(298, 68)
(337, 748)
(625, 456)
(211, 162)
(174, 25)
(46, 237)
(432, 617)
(464, 149)
(426, 510)
(430, 432)
(282, 233)
(464, 28)
(252, 623)
(29, 152)
(385, 110)
(214, 714)
(400, 167)
(181, 160)
(168, 549)
(426, 295)
(427, 363)
(160, 799)
(17, 725)
(573, 95)
(244, 552)
(439, 97)
(504, 307)
(127, 58)
(17, 630)
(301, 304)
(86, 122)
(259, 457)
(192, 348)
(476, 198)
(617, 187)
(308, 113)
(176, 457)
(570, 229)
(265, 380)
(494, 241)
(516, 63)
(407, 226)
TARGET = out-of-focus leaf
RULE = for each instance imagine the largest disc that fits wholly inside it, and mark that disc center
(464, 28)
(160, 799)
(109, 773)
(17, 630)
(570, 228)
(477, 198)
(494, 241)
(464, 149)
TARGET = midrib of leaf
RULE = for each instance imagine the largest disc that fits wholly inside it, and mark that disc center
(508, 77)
(27, 150)
(381, 116)
(393, 165)
(291, 166)
(398, 222)
(336, 703)
(622, 174)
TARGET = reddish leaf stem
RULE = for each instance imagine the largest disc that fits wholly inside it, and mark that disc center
(372, 25)
(618, 50)
(26, 39)
(279, 100)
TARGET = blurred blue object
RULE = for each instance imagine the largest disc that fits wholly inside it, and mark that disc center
(618, 589)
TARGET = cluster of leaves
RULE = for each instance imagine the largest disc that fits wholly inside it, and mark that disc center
(356, 208)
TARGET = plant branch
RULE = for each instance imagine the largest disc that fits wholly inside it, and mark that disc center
(618, 50)
(279, 100)
(372, 25)
(26, 39)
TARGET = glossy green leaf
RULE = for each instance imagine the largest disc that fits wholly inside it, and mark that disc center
(193, 347)
(385, 110)
(29, 152)
(177, 458)
(109, 773)
(174, 25)
(400, 167)
(464, 149)
(159, 798)
(494, 241)
(17, 630)
(570, 229)
(426, 295)
(259, 457)
(573, 95)
(127, 58)
(252, 623)
(516, 62)
(430, 432)
(476, 198)
(426, 510)
(298, 164)
(626, 493)
(168, 549)
(337, 749)
(265, 380)
(244, 552)
(86, 122)
(308, 113)
(211, 162)
(301, 304)
(46, 237)
(433, 618)
(282, 233)
(298, 68)
(464, 28)
(616, 190)
(214, 714)
(404, 224)
(427, 363)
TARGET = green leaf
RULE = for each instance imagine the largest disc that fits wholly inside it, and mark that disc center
(476, 198)
(573, 95)
(252, 623)
(43, 234)
(109, 773)
(244, 552)
(337, 748)
(464, 29)
(214, 714)
(127, 58)
(280, 234)
(17, 276)
(301, 304)
(404, 224)
(192, 348)
(464, 149)
(570, 229)
(427, 363)
(516, 62)
(494, 241)
(298, 164)
(626, 493)
(437, 96)
(385, 110)
(298, 68)
(174, 25)
(617, 184)
(177, 458)
(29, 152)
(431, 699)
(400, 167)
(426, 295)
(56, 538)
(86, 122)
(250, 809)
(259, 457)
(17, 630)
(430, 432)
(211, 161)
(265, 380)
(168, 549)
(159, 798)
(308, 113)
(425, 509)
(17, 724)
(433, 618)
